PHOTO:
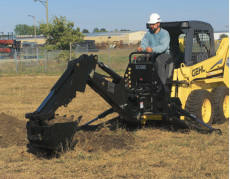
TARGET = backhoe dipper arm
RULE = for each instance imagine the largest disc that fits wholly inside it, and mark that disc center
(80, 72)
(73, 79)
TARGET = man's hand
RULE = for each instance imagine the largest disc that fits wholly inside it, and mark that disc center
(149, 49)
(139, 49)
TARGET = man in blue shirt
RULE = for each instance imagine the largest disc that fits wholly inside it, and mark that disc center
(156, 41)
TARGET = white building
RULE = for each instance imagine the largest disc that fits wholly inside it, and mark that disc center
(218, 33)
(127, 37)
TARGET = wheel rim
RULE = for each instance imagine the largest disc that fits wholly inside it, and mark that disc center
(206, 111)
(226, 106)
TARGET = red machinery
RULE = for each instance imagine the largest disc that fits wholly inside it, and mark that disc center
(8, 45)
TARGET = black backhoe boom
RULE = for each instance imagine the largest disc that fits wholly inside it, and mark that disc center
(65, 88)
(79, 72)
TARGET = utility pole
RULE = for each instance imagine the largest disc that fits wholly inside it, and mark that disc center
(47, 21)
(70, 51)
(45, 3)
(34, 28)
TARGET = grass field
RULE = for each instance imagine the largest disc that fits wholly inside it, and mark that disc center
(147, 152)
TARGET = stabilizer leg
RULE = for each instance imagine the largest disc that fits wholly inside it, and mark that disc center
(194, 118)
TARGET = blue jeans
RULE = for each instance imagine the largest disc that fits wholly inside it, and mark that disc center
(162, 60)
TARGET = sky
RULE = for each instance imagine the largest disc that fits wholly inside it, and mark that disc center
(113, 14)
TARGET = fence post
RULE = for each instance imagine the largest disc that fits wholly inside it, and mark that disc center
(46, 60)
(70, 51)
(16, 62)
(109, 55)
(26, 54)
(37, 55)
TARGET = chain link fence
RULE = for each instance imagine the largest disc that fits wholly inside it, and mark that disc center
(82, 49)
(35, 60)
(38, 61)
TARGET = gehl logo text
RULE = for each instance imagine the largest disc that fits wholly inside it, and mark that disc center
(197, 71)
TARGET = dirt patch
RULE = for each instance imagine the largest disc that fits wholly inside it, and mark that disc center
(104, 139)
(12, 131)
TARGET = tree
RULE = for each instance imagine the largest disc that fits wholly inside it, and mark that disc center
(103, 30)
(85, 31)
(96, 30)
(223, 36)
(60, 33)
(124, 30)
(23, 29)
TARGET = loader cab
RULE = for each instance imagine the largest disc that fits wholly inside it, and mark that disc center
(190, 41)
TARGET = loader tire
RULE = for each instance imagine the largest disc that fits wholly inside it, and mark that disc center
(199, 103)
(220, 97)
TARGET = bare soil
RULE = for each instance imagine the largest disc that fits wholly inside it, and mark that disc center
(104, 139)
(12, 131)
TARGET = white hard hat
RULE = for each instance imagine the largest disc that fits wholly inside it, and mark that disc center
(154, 18)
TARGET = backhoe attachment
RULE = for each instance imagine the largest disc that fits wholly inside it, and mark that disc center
(47, 130)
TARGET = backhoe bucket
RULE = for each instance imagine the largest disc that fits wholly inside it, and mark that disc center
(55, 134)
